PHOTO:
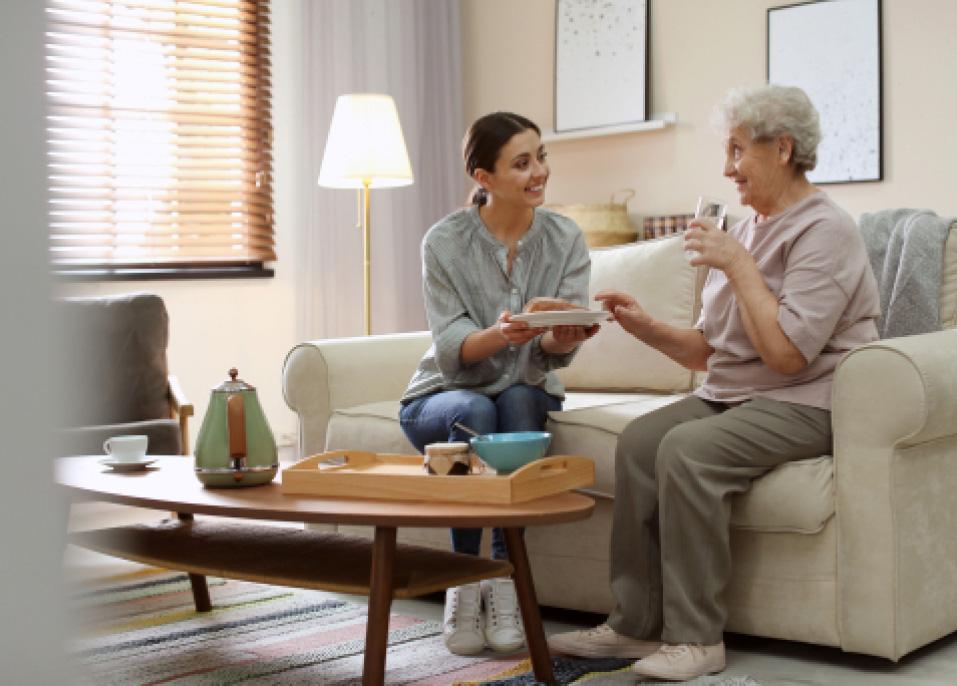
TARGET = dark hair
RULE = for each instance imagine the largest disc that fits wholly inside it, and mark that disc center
(484, 141)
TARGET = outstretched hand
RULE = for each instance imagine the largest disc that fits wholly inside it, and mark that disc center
(623, 309)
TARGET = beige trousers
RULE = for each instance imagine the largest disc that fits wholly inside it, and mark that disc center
(676, 470)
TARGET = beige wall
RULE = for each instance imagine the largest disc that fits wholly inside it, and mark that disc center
(243, 323)
(698, 50)
(508, 57)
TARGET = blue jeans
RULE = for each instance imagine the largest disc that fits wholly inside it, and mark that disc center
(430, 419)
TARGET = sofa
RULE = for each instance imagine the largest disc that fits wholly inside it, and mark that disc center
(855, 550)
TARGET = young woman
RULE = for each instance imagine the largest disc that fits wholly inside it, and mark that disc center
(482, 264)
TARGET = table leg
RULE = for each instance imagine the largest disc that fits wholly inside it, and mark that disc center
(380, 602)
(197, 581)
(531, 617)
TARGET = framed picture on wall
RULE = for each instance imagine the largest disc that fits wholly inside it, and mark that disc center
(601, 63)
(832, 50)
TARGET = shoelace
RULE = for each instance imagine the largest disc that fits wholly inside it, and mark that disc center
(676, 650)
(459, 606)
(501, 605)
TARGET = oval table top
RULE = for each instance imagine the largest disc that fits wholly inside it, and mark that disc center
(171, 484)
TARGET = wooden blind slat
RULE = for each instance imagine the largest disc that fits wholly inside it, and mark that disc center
(159, 132)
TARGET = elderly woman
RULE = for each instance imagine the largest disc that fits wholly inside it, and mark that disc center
(789, 292)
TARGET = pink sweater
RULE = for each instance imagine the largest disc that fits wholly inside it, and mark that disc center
(813, 260)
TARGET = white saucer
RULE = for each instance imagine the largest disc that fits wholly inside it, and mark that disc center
(563, 317)
(127, 466)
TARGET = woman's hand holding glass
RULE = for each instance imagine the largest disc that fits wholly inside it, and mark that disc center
(712, 211)
(706, 244)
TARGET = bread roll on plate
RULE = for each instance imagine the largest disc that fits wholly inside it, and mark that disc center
(550, 305)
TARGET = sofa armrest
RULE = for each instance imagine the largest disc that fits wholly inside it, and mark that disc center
(895, 461)
(181, 409)
(319, 377)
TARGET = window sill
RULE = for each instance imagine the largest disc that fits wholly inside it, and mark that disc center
(160, 273)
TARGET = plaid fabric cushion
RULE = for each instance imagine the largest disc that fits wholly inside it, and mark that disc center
(656, 227)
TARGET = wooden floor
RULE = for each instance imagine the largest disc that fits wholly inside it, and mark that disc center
(771, 662)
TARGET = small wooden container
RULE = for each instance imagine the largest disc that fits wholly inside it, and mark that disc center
(368, 475)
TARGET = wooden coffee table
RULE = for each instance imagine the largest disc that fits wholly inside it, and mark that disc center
(379, 568)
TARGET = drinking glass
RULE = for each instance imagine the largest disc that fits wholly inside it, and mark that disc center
(714, 209)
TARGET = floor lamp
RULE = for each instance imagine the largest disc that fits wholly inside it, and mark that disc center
(365, 149)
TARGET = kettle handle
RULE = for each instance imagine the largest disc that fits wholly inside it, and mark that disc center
(236, 425)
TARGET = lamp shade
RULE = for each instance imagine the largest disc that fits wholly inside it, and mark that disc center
(365, 144)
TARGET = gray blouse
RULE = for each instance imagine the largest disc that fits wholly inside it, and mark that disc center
(467, 286)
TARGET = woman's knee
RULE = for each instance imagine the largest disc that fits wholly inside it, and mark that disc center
(477, 411)
(636, 448)
(521, 396)
(524, 408)
(682, 452)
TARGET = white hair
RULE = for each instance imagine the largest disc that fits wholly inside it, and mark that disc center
(768, 111)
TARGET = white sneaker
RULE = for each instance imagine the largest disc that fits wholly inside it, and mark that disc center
(503, 624)
(682, 662)
(462, 624)
(602, 641)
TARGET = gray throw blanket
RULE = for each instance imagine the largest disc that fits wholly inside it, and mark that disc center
(906, 250)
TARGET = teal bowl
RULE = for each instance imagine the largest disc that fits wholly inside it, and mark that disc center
(510, 451)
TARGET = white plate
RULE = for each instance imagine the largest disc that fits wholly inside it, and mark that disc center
(563, 318)
(127, 466)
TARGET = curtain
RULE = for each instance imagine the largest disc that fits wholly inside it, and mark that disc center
(409, 49)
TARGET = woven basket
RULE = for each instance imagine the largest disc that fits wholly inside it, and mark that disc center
(603, 224)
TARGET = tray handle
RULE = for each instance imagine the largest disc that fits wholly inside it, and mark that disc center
(536, 469)
(351, 458)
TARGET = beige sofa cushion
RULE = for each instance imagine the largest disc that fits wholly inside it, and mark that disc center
(373, 427)
(793, 497)
(657, 274)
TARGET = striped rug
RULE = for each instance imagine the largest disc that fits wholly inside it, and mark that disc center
(142, 628)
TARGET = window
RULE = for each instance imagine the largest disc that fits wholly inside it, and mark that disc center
(159, 137)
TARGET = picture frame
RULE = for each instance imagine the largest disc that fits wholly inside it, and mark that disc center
(601, 63)
(832, 50)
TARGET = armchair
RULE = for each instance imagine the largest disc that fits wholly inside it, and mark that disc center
(119, 382)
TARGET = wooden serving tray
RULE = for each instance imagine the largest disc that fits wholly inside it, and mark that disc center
(401, 477)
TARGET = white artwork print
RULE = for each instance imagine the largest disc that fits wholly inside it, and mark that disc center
(600, 51)
(831, 50)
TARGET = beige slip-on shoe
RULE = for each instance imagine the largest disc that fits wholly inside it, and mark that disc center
(602, 641)
(682, 662)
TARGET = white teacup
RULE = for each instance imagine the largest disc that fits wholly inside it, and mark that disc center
(126, 448)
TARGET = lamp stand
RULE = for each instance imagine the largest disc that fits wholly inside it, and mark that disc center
(368, 253)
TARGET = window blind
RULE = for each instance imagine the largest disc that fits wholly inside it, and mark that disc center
(159, 133)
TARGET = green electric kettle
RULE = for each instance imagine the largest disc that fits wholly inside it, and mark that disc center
(235, 446)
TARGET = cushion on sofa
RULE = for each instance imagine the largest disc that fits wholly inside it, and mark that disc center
(657, 274)
(793, 497)
(591, 426)
(373, 427)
